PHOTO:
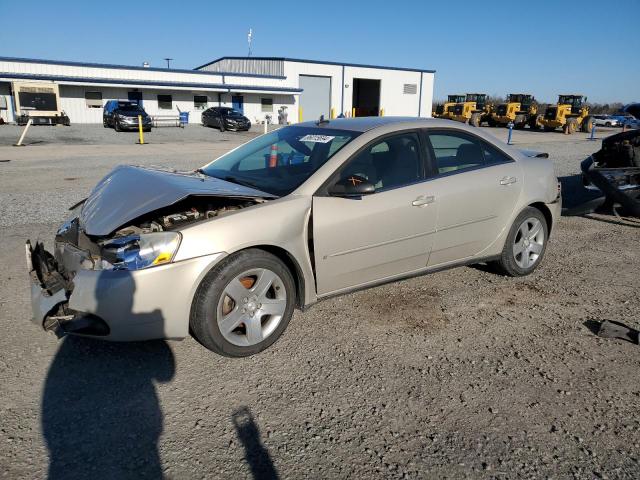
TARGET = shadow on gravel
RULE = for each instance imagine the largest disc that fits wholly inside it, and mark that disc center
(100, 412)
(255, 453)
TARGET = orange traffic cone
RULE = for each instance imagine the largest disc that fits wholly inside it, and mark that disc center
(273, 158)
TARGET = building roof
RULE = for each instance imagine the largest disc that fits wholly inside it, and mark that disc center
(131, 67)
(322, 62)
(227, 87)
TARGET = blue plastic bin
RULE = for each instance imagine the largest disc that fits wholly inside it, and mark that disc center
(184, 118)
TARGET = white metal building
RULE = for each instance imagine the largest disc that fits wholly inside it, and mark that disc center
(259, 86)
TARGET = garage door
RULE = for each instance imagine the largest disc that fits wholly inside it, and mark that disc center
(315, 98)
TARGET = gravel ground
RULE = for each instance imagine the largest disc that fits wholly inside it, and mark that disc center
(461, 374)
(98, 135)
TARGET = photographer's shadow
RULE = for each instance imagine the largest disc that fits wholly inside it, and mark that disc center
(101, 417)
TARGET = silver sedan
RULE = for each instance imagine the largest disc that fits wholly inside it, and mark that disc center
(227, 252)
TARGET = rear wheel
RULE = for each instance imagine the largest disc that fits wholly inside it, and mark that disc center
(475, 120)
(244, 304)
(571, 126)
(525, 245)
(534, 123)
(587, 124)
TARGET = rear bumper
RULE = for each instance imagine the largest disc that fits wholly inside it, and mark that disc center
(119, 305)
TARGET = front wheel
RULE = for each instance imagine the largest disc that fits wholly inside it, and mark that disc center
(525, 245)
(244, 304)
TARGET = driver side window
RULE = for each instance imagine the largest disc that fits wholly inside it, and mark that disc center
(389, 163)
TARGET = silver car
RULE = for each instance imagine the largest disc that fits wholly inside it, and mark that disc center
(227, 252)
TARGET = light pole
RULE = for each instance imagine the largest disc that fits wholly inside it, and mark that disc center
(168, 62)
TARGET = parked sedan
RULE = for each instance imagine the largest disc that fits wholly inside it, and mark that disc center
(225, 118)
(227, 252)
(606, 121)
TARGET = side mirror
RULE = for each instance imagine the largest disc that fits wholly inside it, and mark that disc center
(352, 186)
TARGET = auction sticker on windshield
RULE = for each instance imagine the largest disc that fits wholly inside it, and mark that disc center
(317, 138)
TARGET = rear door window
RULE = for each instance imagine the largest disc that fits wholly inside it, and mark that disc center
(454, 152)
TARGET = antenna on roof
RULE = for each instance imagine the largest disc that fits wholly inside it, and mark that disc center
(322, 121)
(249, 40)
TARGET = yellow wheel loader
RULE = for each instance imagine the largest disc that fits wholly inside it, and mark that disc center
(474, 110)
(570, 113)
(446, 110)
(521, 109)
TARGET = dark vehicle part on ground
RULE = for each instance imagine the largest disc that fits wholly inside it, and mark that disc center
(615, 171)
(613, 329)
(633, 109)
(62, 119)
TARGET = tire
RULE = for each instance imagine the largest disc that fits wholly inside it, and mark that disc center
(476, 119)
(587, 124)
(520, 122)
(116, 126)
(491, 122)
(534, 123)
(516, 264)
(221, 126)
(230, 279)
(607, 124)
(571, 126)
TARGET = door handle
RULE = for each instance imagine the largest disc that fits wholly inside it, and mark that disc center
(508, 180)
(422, 201)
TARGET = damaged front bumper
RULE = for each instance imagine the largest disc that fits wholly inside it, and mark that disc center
(68, 296)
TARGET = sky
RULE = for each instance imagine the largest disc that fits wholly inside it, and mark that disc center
(542, 47)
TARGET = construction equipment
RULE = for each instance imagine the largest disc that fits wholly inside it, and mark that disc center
(521, 109)
(570, 113)
(446, 110)
(474, 110)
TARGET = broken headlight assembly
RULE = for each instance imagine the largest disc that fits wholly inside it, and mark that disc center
(136, 252)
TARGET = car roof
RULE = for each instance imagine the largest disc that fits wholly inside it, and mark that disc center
(364, 124)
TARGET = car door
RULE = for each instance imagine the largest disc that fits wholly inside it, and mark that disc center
(475, 186)
(358, 241)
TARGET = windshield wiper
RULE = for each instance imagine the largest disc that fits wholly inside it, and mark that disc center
(244, 183)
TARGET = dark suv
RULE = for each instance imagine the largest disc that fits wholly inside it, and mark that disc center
(225, 118)
(123, 115)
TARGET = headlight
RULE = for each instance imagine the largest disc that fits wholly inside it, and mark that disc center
(135, 252)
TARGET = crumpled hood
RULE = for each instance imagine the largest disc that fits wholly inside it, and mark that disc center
(129, 192)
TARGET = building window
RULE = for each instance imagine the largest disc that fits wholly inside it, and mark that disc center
(410, 89)
(93, 99)
(267, 104)
(200, 102)
(165, 102)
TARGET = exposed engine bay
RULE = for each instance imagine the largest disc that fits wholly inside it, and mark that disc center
(125, 248)
(190, 210)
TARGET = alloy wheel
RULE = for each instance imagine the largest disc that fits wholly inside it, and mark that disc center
(528, 243)
(251, 307)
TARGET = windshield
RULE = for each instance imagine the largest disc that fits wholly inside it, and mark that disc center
(230, 112)
(280, 161)
(570, 100)
(130, 108)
